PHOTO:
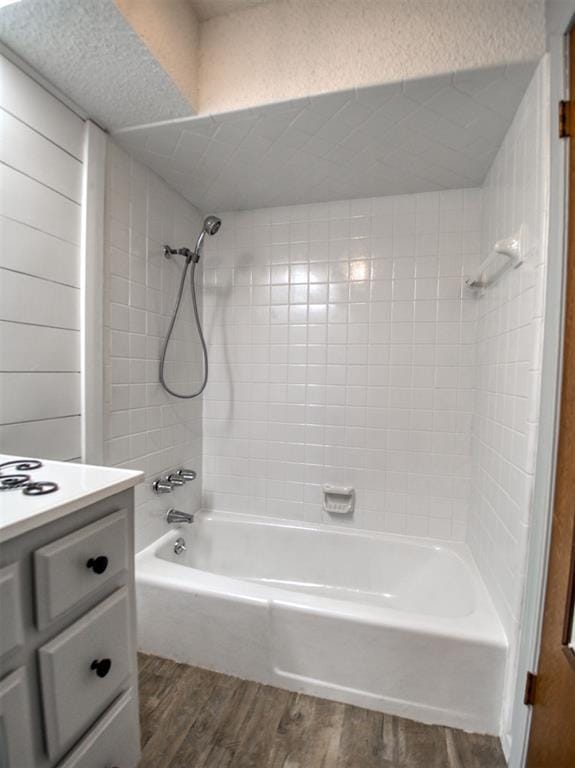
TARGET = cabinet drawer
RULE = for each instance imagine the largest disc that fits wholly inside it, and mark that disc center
(83, 669)
(11, 632)
(68, 569)
(15, 735)
(113, 742)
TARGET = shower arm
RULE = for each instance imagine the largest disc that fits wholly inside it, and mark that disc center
(189, 255)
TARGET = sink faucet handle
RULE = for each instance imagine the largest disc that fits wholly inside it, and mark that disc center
(186, 474)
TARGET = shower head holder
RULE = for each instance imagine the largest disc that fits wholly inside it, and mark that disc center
(189, 255)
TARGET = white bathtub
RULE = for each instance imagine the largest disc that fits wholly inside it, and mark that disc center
(392, 623)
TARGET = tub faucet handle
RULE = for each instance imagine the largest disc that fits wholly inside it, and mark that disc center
(162, 486)
(186, 474)
(175, 479)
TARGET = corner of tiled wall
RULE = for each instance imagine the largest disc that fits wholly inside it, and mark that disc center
(145, 428)
(509, 358)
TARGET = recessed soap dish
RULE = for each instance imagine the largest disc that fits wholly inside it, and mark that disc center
(338, 499)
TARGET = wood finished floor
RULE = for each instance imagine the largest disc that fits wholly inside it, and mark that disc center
(193, 718)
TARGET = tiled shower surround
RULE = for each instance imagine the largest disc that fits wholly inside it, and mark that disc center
(509, 353)
(145, 428)
(509, 358)
(341, 341)
(344, 349)
(343, 345)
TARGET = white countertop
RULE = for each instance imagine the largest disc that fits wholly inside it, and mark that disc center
(79, 485)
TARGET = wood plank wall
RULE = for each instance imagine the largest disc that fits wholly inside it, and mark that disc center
(41, 147)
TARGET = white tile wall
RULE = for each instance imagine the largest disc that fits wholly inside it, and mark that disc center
(342, 351)
(40, 212)
(509, 354)
(145, 428)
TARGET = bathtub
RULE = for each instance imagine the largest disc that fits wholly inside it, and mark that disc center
(393, 623)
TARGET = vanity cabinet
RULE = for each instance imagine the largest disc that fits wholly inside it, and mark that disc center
(68, 667)
(15, 738)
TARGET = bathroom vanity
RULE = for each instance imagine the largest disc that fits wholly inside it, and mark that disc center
(68, 672)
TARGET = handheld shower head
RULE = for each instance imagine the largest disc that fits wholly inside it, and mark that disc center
(211, 226)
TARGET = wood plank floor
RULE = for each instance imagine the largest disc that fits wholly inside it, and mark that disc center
(193, 718)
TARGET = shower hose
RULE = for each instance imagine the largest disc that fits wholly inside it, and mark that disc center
(200, 334)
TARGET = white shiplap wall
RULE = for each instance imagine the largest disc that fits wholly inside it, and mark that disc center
(41, 146)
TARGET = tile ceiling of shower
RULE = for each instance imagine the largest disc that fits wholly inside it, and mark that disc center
(415, 136)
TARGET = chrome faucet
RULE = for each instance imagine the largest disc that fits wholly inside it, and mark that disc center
(186, 474)
(179, 546)
(175, 516)
(173, 480)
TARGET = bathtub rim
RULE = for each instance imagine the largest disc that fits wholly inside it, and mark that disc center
(482, 625)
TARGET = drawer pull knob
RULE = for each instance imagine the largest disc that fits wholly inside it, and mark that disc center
(102, 667)
(98, 564)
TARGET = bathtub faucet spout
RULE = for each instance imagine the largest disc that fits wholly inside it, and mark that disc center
(175, 516)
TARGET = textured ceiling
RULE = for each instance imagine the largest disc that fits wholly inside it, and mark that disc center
(419, 135)
(208, 9)
(89, 51)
